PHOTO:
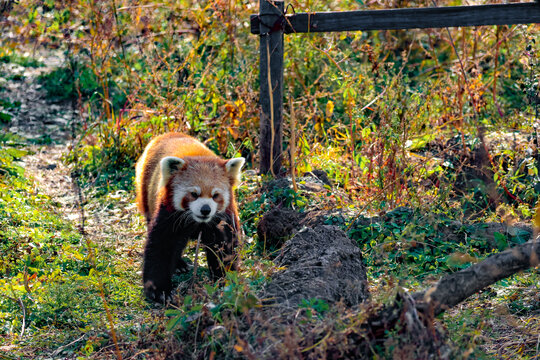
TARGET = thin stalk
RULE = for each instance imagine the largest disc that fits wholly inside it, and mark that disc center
(271, 94)
(293, 145)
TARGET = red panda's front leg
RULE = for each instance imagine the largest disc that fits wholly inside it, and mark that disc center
(220, 243)
(162, 247)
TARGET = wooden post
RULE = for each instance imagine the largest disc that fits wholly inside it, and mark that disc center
(271, 85)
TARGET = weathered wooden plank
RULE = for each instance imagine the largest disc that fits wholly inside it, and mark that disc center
(409, 18)
(271, 88)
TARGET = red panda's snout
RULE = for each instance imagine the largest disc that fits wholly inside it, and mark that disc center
(203, 209)
(203, 204)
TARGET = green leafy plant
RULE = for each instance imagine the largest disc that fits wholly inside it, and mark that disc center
(313, 307)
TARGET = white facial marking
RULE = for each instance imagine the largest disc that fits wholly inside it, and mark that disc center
(226, 199)
(200, 211)
(178, 194)
(225, 194)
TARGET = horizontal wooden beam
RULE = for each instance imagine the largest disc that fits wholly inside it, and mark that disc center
(407, 18)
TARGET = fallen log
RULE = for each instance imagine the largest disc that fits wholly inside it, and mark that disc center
(452, 289)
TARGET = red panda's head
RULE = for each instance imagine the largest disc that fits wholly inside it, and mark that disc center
(201, 185)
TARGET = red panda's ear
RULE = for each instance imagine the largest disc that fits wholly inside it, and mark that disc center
(234, 167)
(170, 164)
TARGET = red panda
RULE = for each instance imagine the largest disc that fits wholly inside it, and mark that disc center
(183, 190)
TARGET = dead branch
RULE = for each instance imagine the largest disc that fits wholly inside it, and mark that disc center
(453, 289)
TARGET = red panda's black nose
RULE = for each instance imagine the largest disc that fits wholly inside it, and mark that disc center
(205, 210)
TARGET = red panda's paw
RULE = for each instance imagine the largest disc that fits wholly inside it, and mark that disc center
(156, 294)
(182, 266)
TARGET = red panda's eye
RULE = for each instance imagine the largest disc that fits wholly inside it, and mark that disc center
(194, 194)
(215, 196)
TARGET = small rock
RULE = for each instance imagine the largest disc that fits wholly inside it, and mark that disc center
(47, 167)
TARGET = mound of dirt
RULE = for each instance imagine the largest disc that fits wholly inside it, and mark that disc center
(280, 224)
(277, 225)
(321, 263)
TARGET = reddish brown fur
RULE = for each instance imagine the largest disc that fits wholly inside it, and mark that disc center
(204, 171)
(155, 200)
(148, 171)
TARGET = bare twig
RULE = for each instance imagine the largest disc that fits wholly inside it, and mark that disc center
(61, 348)
(538, 346)
(271, 95)
(196, 264)
(293, 145)
(374, 99)
(23, 327)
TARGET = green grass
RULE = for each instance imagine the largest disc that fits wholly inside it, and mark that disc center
(51, 277)
(15, 58)
(415, 243)
(6, 104)
(66, 83)
(487, 323)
